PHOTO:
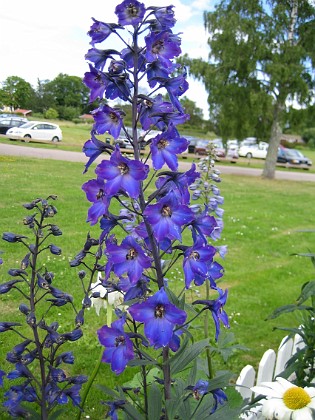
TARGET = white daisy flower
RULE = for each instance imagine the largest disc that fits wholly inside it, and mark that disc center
(286, 401)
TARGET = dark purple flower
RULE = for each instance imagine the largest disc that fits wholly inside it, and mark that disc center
(136, 291)
(128, 258)
(122, 174)
(197, 259)
(199, 389)
(21, 371)
(58, 375)
(166, 146)
(219, 397)
(12, 237)
(162, 46)
(130, 12)
(93, 148)
(119, 86)
(66, 357)
(97, 82)
(72, 336)
(74, 394)
(99, 31)
(217, 311)
(6, 326)
(7, 286)
(107, 119)
(95, 193)
(164, 16)
(127, 54)
(55, 250)
(178, 182)
(99, 57)
(167, 217)
(113, 407)
(158, 69)
(150, 110)
(160, 318)
(118, 346)
(203, 225)
(215, 272)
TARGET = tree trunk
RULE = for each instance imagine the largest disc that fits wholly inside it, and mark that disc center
(271, 159)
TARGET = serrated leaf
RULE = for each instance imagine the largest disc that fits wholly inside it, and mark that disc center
(154, 402)
(187, 356)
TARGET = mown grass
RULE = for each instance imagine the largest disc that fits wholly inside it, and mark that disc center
(262, 219)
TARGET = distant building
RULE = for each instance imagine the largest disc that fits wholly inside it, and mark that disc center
(25, 112)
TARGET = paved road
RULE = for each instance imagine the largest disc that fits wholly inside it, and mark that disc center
(16, 150)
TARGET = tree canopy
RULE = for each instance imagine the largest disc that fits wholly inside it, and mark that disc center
(262, 54)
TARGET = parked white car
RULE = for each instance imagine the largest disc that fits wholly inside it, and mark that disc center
(35, 130)
(256, 151)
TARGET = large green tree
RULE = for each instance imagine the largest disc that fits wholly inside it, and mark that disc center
(16, 92)
(262, 54)
(67, 93)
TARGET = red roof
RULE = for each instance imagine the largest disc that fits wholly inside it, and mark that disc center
(22, 111)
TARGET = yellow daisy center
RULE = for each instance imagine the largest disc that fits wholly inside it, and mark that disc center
(296, 398)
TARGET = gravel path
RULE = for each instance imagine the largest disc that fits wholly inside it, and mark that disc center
(41, 153)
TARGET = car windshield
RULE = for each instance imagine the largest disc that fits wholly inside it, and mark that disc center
(26, 125)
(297, 153)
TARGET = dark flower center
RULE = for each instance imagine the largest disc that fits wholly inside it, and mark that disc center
(166, 211)
(159, 311)
(195, 255)
(120, 340)
(132, 254)
(123, 168)
(162, 144)
(113, 117)
(196, 395)
(148, 103)
(100, 194)
(132, 10)
(157, 47)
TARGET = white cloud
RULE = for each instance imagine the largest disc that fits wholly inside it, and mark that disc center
(39, 42)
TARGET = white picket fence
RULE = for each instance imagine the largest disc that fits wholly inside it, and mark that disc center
(270, 366)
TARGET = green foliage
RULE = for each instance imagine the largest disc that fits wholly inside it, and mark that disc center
(51, 114)
(302, 363)
(249, 79)
(16, 92)
(309, 137)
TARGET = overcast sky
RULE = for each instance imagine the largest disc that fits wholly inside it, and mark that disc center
(39, 40)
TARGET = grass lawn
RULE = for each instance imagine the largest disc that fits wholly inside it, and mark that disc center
(262, 219)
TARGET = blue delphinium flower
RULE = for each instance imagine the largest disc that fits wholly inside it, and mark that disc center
(118, 346)
(201, 388)
(197, 259)
(122, 174)
(216, 308)
(95, 193)
(130, 12)
(107, 119)
(166, 146)
(160, 317)
(93, 148)
(167, 217)
(99, 31)
(128, 258)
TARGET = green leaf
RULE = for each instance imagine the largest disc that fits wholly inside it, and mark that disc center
(308, 290)
(154, 402)
(286, 309)
(115, 395)
(132, 412)
(225, 346)
(141, 362)
(187, 356)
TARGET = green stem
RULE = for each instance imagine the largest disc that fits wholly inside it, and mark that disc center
(90, 382)
(206, 330)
